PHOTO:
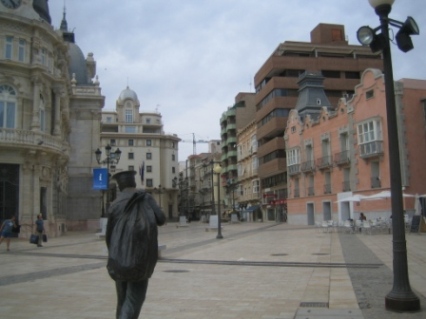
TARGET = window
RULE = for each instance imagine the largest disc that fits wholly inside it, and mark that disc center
(131, 156)
(130, 129)
(149, 169)
(254, 163)
(109, 119)
(331, 74)
(173, 157)
(129, 116)
(131, 168)
(21, 50)
(148, 121)
(369, 94)
(43, 56)
(8, 50)
(375, 174)
(148, 142)
(112, 142)
(173, 170)
(253, 142)
(256, 186)
(148, 156)
(42, 114)
(370, 138)
(7, 106)
(130, 142)
(293, 157)
(149, 182)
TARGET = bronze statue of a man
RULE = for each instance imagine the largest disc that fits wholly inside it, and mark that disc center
(131, 238)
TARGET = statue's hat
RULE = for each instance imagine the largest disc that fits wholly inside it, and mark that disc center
(125, 179)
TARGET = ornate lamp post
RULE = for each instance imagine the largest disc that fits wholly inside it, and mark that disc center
(217, 170)
(401, 297)
(111, 158)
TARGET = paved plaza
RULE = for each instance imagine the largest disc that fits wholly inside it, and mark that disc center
(258, 270)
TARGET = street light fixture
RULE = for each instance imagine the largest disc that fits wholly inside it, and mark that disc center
(217, 170)
(111, 158)
(401, 297)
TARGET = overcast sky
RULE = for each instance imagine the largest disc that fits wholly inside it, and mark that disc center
(190, 58)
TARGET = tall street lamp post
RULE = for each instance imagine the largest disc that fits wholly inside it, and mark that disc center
(111, 159)
(401, 297)
(217, 170)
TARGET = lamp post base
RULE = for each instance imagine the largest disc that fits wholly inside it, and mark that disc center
(409, 303)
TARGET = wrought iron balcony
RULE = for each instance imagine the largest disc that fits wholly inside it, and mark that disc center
(311, 191)
(342, 158)
(324, 162)
(308, 166)
(327, 188)
(346, 186)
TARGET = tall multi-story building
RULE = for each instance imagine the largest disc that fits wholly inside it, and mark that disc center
(277, 91)
(248, 190)
(333, 155)
(145, 148)
(235, 118)
(50, 105)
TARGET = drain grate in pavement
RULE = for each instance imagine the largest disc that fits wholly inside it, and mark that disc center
(309, 304)
(278, 255)
(176, 270)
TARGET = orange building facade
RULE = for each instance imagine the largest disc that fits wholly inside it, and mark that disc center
(344, 152)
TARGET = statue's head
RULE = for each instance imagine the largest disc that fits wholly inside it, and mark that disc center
(125, 179)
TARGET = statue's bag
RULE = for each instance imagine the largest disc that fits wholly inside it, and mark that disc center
(131, 236)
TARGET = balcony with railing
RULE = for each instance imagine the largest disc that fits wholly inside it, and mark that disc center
(342, 158)
(293, 169)
(324, 162)
(308, 166)
(371, 149)
(311, 191)
(346, 186)
(31, 139)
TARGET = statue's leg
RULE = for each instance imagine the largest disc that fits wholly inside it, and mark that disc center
(121, 287)
(134, 298)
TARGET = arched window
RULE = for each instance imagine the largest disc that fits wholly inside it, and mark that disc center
(7, 106)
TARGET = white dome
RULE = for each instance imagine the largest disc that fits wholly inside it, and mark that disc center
(128, 94)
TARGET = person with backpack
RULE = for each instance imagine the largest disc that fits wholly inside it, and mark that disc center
(131, 238)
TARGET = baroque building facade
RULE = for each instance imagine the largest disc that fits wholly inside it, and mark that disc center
(49, 104)
(145, 148)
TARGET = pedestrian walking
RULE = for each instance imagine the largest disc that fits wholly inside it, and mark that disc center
(39, 229)
(6, 231)
(131, 238)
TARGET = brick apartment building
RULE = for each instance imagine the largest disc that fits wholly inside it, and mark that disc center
(333, 154)
(277, 92)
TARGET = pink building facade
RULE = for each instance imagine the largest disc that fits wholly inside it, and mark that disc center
(343, 152)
